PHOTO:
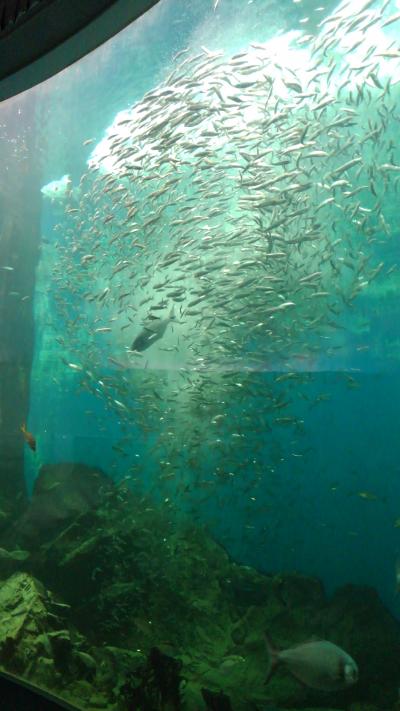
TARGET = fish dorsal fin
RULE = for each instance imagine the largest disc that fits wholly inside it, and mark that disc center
(309, 640)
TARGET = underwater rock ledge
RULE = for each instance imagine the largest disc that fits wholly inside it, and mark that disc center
(136, 609)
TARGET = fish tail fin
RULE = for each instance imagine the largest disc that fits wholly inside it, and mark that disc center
(273, 657)
(23, 427)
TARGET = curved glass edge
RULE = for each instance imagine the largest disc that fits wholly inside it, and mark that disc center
(58, 36)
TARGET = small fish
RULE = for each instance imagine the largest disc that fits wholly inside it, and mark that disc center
(52, 486)
(73, 366)
(367, 495)
(29, 438)
(320, 665)
(391, 19)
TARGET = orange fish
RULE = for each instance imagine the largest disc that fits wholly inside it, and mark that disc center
(29, 438)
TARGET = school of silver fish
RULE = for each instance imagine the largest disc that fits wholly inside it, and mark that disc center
(249, 197)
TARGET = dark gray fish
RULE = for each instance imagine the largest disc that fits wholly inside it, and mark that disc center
(320, 665)
(153, 330)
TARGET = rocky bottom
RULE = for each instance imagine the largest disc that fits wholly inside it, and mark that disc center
(114, 603)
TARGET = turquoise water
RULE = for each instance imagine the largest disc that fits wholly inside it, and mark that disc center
(273, 423)
(307, 511)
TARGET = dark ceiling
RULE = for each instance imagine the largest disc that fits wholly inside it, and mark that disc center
(40, 37)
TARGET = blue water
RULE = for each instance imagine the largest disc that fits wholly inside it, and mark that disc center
(325, 496)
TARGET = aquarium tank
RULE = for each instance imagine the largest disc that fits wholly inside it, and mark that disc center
(200, 354)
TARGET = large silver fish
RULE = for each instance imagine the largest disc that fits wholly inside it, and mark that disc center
(320, 665)
(153, 330)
